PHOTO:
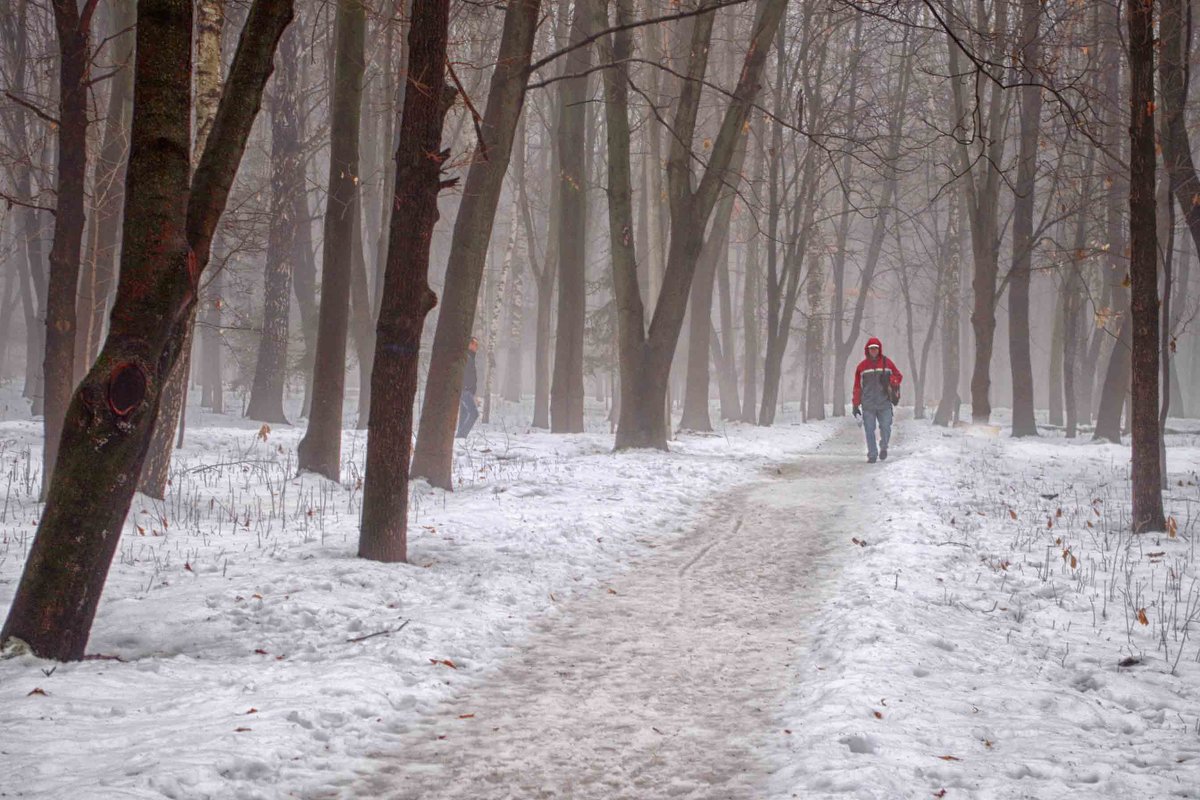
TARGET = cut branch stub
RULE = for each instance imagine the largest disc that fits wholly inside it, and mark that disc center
(126, 388)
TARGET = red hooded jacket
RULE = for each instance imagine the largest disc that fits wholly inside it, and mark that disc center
(876, 374)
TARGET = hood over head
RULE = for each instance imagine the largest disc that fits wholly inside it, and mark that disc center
(874, 340)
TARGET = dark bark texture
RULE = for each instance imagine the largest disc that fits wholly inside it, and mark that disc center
(167, 235)
(406, 298)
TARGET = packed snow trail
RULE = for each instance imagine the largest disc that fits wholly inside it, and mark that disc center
(667, 682)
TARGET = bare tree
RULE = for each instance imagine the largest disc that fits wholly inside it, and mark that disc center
(320, 450)
(168, 228)
(406, 297)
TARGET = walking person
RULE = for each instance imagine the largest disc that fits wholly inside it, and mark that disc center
(468, 408)
(876, 393)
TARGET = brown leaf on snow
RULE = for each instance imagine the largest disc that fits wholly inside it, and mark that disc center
(1012, 513)
(1172, 527)
(241, 730)
(877, 715)
(1142, 618)
(252, 711)
(466, 716)
(264, 432)
(444, 662)
(38, 690)
(940, 793)
(258, 651)
(950, 758)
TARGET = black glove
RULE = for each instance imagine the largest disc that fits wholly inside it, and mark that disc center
(857, 412)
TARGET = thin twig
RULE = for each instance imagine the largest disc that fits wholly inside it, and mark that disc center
(379, 633)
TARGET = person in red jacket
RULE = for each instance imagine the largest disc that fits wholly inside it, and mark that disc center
(876, 392)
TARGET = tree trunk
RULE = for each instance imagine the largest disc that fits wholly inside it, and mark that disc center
(1057, 346)
(58, 371)
(210, 19)
(362, 312)
(287, 180)
(751, 325)
(406, 297)
(1143, 269)
(1024, 422)
(320, 450)
(814, 343)
(108, 180)
(947, 409)
(166, 246)
(727, 367)
(566, 387)
(434, 452)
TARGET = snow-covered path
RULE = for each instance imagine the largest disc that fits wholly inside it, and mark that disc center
(669, 681)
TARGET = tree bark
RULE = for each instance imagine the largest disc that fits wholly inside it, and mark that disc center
(947, 409)
(434, 452)
(287, 180)
(167, 237)
(1024, 422)
(1143, 269)
(58, 372)
(406, 297)
(108, 180)
(320, 450)
(566, 386)
(210, 20)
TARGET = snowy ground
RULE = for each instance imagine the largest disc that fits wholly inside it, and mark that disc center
(758, 614)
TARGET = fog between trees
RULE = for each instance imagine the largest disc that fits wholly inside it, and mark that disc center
(685, 213)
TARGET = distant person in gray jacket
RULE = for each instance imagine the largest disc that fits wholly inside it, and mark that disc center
(468, 410)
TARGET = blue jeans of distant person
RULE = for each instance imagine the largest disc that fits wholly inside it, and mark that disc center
(467, 413)
(883, 417)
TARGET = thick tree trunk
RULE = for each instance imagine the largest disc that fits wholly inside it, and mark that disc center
(210, 20)
(566, 387)
(434, 452)
(406, 297)
(287, 180)
(58, 371)
(320, 450)
(1024, 422)
(166, 246)
(1143, 269)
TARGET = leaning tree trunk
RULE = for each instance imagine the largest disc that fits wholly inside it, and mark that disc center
(108, 180)
(434, 452)
(320, 450)
(287, 179)
(166, 245)
(58, 371)
(566, 386)
(210, 20)
(1143, 271)
(406, 297)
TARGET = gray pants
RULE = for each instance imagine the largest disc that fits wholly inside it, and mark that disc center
(467, 413)
(883, 417)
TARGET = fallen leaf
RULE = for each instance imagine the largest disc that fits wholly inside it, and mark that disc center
(612, 590)
(240, 730)
(950, 758)
(264, 432)
(40, 691)
(940, 793)
(252, 711)
(877, 714)
(1142, 616)
(1012, 513)
(260, 652)
(445, 662)
(466, 716)
(1172, 527)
